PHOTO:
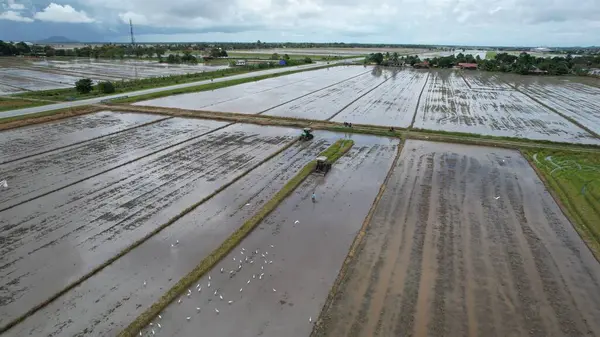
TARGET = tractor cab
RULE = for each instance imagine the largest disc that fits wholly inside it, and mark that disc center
(323, 166)
(307, 134)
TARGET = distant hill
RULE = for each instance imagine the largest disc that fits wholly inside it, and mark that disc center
(57, 39)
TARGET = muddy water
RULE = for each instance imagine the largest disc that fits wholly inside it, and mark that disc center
(392, 104)
(116, 295)
(325, 103)
(267, 99)
(466, 242)
(26, 141)
(449, 104)
(89, 222)
(35, 176)
(302, 263)
(578, 101)
(200, 100)
(29, 84)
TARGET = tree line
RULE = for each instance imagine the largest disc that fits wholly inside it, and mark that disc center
(523, 63)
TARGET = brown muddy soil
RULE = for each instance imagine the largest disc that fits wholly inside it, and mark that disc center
(27, 141)
(53, 240)
(466, 241)
(304, 245)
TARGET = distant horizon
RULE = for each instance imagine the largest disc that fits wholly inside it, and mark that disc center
(391, 45)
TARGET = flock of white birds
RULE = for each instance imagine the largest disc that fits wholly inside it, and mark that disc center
(245, 258)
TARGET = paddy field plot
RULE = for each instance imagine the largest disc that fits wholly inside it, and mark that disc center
(87, 202)
(448, 104)
(391, 104)
(575, 100)
(255, 97)
(467, 241)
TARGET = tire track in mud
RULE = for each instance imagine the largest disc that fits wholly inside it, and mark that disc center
(114, 167)
(412, 124)
(552, 288)
(254, 93)
(408, 307)
(377, 294)
(359, 97)
(86, 140)
(567, 118)
(312, 92)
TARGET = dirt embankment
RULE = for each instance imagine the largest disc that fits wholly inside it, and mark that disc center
(466, 242)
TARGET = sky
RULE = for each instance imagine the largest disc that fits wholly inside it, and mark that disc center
(558, 23)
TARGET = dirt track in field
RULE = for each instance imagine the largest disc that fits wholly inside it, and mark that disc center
(466, 242)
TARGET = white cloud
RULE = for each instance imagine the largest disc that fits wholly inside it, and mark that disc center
(60, 13)
(16, 7)
(478, 22)
(14, 16)
(138, 19)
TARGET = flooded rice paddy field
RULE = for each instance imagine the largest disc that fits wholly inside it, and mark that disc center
(466, 241)
(107, 302)
(241, 96)
(87, 202)
(283, 270)
(469, 102)
(18, 74)
(325, 104)
(393, 103)
(576, 100)
(449, 104)
(26, 141)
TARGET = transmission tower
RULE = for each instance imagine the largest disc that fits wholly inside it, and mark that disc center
(131, 32)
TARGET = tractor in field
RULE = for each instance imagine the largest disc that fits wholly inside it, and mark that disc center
(323, 166)
(307, 134)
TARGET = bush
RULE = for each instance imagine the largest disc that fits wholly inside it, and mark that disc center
(83, 86)
(307, 60)
(106, 87)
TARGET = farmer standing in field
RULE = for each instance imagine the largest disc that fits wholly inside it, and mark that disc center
(313, 197)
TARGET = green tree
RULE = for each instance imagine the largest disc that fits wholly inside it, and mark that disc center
(84, 86)
(215, 52)
(139, 52)
(22, 48)
(106, 87)
(308, 60)
(275, 56)
(286, 57)
(224, 53)
(173, 59)
(49, 51)
(160, 51)
(395, 57)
